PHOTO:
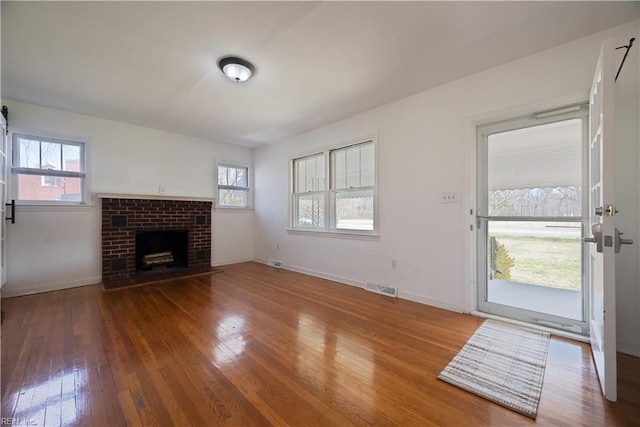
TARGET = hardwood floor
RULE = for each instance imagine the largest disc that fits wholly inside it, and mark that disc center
(256, 346)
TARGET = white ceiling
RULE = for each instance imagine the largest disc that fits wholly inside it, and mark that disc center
(154, 63)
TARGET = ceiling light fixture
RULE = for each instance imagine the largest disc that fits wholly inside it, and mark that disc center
(236, 69)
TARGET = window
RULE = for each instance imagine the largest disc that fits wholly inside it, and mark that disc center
(353, 184)
(48, 170)
(345, 202)
(233, 186)
(309, 191)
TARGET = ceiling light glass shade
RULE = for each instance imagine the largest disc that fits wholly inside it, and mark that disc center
(236, 72)
(236, 69)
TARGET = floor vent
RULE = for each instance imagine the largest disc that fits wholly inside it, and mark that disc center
(275, 263)
(381, 289)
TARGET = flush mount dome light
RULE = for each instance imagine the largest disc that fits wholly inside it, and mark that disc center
(237, 69)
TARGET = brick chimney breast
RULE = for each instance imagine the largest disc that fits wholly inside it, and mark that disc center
(123, 217)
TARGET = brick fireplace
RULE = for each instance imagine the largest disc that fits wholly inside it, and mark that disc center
(124, 217)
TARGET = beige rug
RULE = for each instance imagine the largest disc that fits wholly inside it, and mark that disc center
(503, 363)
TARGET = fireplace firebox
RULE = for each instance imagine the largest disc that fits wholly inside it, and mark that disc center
(161, 249)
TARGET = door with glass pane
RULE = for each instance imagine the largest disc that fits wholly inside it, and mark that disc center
(530, 219)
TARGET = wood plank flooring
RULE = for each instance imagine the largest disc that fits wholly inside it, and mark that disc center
(258, 346)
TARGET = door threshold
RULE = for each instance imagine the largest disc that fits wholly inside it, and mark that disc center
(557, 332)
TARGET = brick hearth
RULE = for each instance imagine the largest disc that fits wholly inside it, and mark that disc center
(123, 217)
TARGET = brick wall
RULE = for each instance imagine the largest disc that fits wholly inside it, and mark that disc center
(121, 218)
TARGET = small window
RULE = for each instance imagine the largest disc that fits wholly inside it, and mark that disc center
(345, 203)
(233, 186)
(48, 170)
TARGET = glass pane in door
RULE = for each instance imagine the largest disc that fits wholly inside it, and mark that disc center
(536, 266)
(536, 171)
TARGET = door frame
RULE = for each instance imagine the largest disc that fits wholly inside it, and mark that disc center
(470, 136)
(567, 112)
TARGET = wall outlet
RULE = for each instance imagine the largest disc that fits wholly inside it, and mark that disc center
(449, 198)
(160, 189)
(394, 263)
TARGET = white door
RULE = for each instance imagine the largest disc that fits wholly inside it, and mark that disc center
(3, 198)
(602, 246)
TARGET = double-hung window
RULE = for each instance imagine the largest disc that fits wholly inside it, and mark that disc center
(345, 202)
(233, 186)
(48, 170)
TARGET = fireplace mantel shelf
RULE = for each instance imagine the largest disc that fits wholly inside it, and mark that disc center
(152, 197)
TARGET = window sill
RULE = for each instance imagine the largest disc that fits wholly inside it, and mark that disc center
(335, 234)
(27, 207)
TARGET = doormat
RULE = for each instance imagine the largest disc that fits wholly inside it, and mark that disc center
(503, 363)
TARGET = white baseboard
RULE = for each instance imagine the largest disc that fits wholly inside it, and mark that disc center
(431, 301)
(9, 292)
(218, 263)
(348, 281)
(320, 274)
(628, 348)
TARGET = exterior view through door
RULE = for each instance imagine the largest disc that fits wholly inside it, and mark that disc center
(535, 209)
(531, 219)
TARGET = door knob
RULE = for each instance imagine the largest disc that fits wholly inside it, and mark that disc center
(620, 241)
(596, 231)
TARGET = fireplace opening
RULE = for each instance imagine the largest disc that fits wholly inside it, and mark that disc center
(161, 249)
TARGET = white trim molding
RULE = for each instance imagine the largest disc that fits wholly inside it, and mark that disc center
(153, 197)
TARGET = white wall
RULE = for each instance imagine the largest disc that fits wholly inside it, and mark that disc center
(233, 236)
(57, 247)
(424, 144)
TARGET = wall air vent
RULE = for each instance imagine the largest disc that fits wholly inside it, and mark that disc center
(389, 291)
(274, 263)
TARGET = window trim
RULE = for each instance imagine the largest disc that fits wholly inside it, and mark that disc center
(16, 171)
(329, 229)
(249, 198)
